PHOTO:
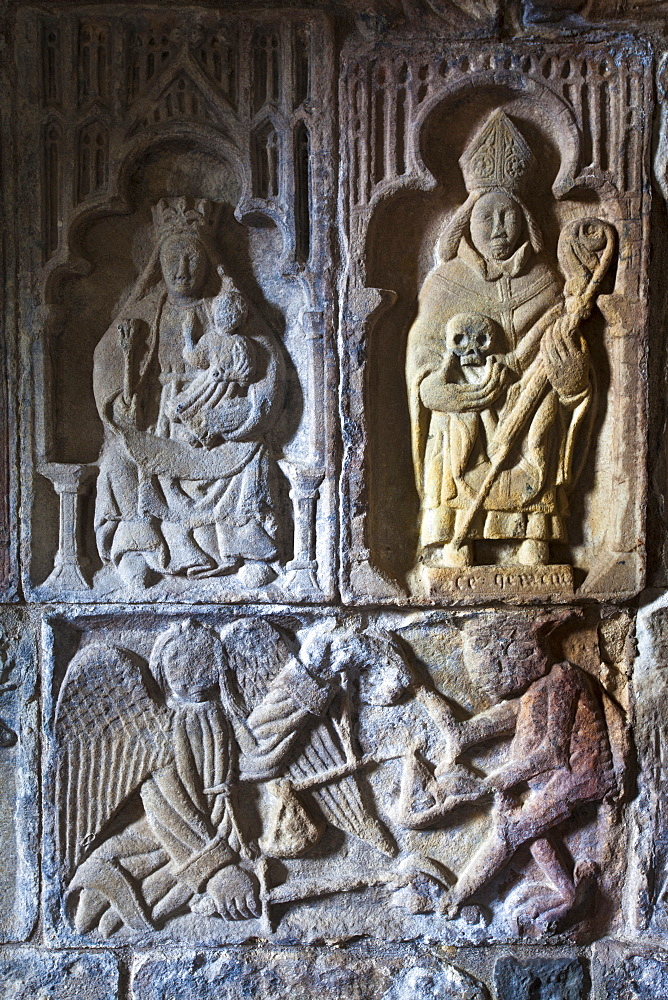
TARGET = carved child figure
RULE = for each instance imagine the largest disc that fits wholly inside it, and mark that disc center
(225, 356)
(559, 759)
(189, 381)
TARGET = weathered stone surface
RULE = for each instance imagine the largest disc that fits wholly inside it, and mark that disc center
(624, 972)
(218, 778)
(544, 978)
(19, 792)
(57, 975)
(336, 335)
(186, 453)
(331, 975)
(502, 454)
(646, 892)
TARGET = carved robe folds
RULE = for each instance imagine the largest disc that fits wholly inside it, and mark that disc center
(452, 450)
(187, 387)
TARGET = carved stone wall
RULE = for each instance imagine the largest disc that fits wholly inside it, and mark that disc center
(333, 540)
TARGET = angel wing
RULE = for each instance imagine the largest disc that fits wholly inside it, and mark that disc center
(328, 747)
(256, 653)
(110, 735)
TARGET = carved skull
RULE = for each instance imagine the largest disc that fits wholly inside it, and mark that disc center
(470, 336)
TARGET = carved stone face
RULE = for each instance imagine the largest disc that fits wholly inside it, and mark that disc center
(469, 336)
(496, 225)
(191, 663)
(503, 665)
(184, 264)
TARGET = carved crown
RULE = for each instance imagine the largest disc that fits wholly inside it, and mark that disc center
(497, 156)
(179, 216)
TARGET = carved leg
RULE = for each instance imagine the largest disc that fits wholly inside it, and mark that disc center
(544, 853)
(491, 856)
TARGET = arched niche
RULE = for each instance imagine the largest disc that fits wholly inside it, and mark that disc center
(111, 245)
(400, 244)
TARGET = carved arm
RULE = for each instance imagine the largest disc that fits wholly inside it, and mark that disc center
(438, 394)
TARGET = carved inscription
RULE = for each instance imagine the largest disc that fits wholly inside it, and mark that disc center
(509, 297)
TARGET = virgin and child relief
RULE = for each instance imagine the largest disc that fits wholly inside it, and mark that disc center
(188, 381)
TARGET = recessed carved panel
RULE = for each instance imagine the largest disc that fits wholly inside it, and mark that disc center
(492, 395)
(218, 778)
(181, 364)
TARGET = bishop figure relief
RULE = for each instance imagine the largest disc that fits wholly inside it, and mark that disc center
(500, 382)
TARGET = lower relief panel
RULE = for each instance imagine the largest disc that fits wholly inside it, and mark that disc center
(272, 774)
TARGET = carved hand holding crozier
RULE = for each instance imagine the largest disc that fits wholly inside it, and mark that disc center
(188, 381)
(501, 389)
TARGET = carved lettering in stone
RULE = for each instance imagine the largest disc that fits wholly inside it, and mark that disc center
(224, 780)
(509, 296)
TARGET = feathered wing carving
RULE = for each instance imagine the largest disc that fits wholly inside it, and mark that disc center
(256, 653)
(341, 802)
(110, 735)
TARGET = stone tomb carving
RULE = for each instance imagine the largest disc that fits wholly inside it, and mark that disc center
(486, 471)
(219, 780)
(187, 451)
(498, 374)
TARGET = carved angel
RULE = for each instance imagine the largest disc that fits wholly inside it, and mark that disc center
(164, 738)
(156, 764)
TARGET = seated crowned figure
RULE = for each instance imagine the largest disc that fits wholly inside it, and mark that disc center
(188, 381)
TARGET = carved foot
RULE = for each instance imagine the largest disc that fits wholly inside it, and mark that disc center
(448, 556)
(95, 911)
(533, 553)
(255, 574)
(134, 570)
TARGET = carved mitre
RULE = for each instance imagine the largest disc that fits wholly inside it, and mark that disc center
(497, 157)
(185, 216)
